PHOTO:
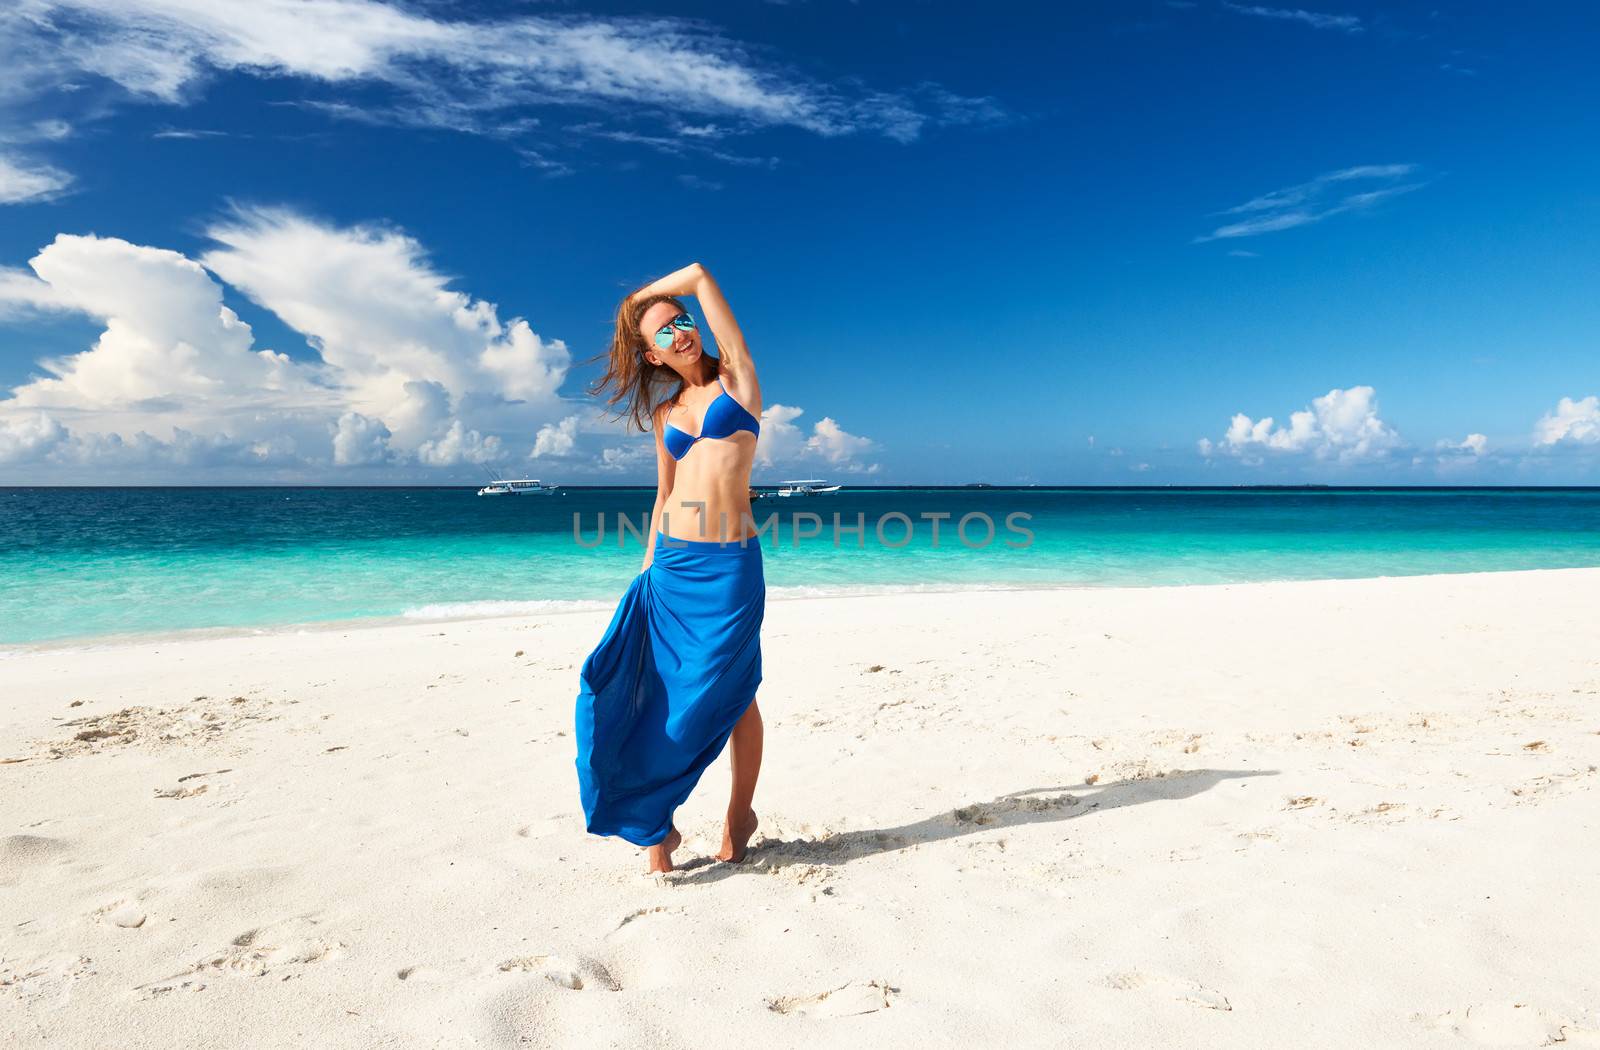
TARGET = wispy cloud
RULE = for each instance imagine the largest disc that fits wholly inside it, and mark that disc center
(455, 73)
(24, 183)
(695, 182)
(676, 146)
(1314, 19)
(1472, 445)
(38, 131)
(1330, 194)
(549, 165)
(1457, 458)
(188, 133)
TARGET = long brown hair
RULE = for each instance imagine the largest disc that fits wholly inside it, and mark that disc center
(631, 381)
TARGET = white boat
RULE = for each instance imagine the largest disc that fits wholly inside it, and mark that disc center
(806, 487)
(500, 486)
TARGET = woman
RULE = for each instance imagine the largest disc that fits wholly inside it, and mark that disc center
(675, 675)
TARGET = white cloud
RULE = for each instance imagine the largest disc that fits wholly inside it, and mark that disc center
(626, 457)
(1453, 457)
(1570, 422)
(23, 183)
(534, 159)
(442, 72)
(780, 438)
(378, 313)
(1314, 19)
(188, 133)
(782, 442)
(1310, 202)
(423, 410)
(1473, 445)
(168, 336)
(39, 131)
(408, 370)
(360, 441)
(556, 439)
(1342, 425)
(22, 294)
(836, 445)
(29, 436)
(459, 445)
(42, 439)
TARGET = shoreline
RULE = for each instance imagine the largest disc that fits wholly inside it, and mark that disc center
(582, 606)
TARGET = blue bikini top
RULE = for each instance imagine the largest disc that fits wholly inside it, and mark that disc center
(724, 418)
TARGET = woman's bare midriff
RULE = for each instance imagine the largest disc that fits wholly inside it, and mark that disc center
(710, 498)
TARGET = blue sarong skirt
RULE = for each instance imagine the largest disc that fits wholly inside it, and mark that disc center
(660, 694)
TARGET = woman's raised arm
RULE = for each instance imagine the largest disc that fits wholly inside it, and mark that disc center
(697, 281)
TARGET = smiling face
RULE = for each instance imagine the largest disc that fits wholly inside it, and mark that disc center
(685, 349)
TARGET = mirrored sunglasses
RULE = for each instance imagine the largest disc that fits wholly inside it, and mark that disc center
(668, 332)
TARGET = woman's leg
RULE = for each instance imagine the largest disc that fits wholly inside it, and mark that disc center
(746, 760)
(659, 856)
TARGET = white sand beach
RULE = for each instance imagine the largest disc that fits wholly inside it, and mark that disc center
(1356, 813)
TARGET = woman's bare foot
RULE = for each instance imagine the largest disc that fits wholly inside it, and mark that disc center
(736, 836)
(660, 855)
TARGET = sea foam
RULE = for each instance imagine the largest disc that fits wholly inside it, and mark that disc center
(472, 610)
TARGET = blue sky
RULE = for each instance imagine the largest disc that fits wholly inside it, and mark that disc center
(1144, 243)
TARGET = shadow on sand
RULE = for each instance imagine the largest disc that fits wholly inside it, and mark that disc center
(1030, 806)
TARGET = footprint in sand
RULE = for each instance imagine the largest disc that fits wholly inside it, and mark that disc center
(124, 913)
(1180, 988)
(1382, 813)
(46, 980)
(1510, 1023)
(1189, 742)
(574, 974)
(1004, 810)
(847, 1000)
(792, 860)
(635, 916)
(203, 721)
(1542, 787)
(183, 791)
(283, 948)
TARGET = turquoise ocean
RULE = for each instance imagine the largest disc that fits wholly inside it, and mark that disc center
(93, 563)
